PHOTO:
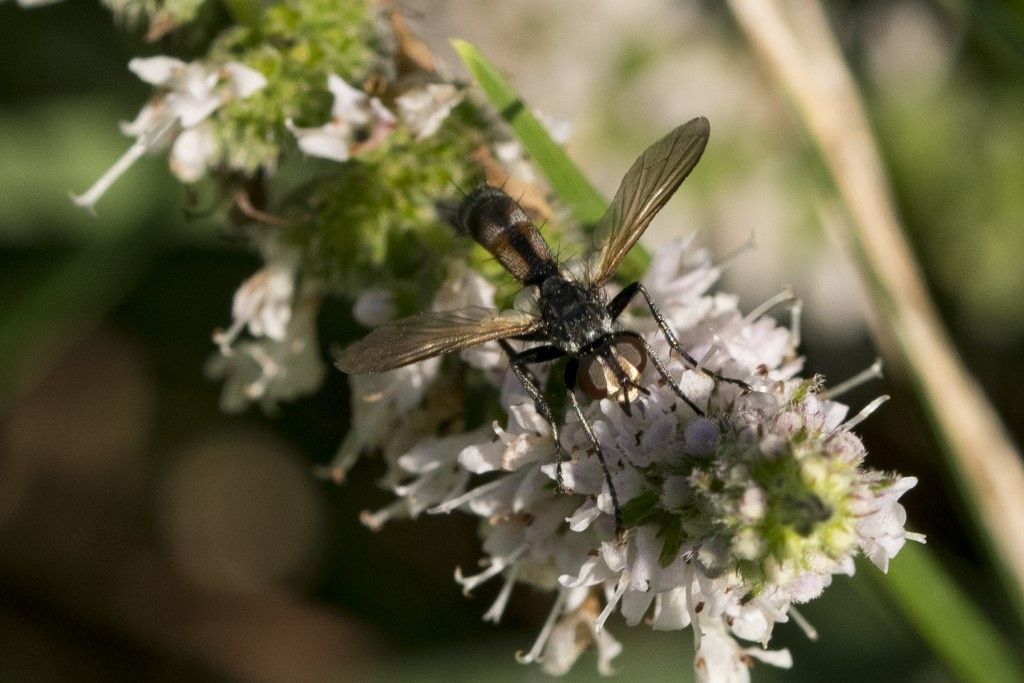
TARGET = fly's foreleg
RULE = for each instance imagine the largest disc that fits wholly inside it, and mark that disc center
(518, 362)
(618, 304)
(570, 389)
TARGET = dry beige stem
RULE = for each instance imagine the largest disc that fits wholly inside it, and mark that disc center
(795, 41)
(529, 196)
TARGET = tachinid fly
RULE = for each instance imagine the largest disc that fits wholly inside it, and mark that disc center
(573, 319)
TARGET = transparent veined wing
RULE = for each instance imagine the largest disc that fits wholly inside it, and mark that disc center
(430, 334)
(650, 182)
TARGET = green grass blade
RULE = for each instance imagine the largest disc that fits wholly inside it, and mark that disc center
(947, 619)
(571, 186)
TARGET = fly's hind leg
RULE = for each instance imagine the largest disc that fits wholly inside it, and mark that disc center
(518, 362)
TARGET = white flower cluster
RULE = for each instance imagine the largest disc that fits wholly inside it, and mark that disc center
(390, 412)
(281, 361)
(360, 122)
(189, 93)
(731, 518)
(279, 307)
(178, 117)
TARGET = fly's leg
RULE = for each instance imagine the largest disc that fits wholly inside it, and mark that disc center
(618, 304)
(570, 390)
(518, 362)
(662, 370)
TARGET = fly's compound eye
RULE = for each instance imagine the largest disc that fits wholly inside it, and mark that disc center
(595, 378)
(632, 356)
(598, 381)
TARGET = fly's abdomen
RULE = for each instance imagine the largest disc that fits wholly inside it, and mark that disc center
(501, 226)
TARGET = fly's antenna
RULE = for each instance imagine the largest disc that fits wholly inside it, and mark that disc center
(448, 213)
(462, 191)
(448, 208)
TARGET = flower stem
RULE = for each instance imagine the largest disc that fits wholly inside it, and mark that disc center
(797, 44)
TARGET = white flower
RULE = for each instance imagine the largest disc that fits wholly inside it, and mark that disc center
(373, 307)
(732, 516)
(178, 117)
(720, 659)
(380, 412)
(192, 151)
(281, 361)
(264, 302)
(388, 410)
(358, 122)
(880, 530)
(573, 633)
(424, 110)
(269, 370)
(35, 3)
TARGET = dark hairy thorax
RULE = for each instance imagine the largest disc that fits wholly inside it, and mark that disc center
(575, 317)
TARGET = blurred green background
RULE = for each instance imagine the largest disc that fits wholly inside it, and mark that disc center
(143, 533)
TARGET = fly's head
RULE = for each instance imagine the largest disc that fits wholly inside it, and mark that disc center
(614, 371)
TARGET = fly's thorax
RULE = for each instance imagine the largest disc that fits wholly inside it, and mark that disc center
(500, 225)
(574, 317)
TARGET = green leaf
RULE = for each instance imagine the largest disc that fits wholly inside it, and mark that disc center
(672, 534)
(947, 619)
(639, 509)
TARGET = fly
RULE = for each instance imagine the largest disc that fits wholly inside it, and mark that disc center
(573, 318)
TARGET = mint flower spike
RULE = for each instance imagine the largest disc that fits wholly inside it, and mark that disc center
(178, 117)
(732, 518)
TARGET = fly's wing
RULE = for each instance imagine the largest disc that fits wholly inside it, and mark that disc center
(423, 336)
(650, 182)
